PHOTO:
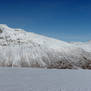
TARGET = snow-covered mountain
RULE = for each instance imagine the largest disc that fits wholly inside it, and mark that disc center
(85, 45)
(25, 49)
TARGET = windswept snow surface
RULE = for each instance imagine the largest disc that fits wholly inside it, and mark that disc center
(28, 79)
(25, 49)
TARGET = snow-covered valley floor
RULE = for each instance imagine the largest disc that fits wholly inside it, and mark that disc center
(32, 79)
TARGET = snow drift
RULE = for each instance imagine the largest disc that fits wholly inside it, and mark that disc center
(19, 48)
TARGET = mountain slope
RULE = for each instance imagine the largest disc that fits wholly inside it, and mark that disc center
(26, 49)
(84, 45)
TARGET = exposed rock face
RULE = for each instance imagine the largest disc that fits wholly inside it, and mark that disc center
(23, 49)
(0, 31)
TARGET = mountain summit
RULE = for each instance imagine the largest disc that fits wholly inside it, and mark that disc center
(19, 48)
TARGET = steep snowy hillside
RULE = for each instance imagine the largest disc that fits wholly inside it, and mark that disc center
(26, 49)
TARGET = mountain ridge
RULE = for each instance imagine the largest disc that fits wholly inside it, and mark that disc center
(25, 49)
